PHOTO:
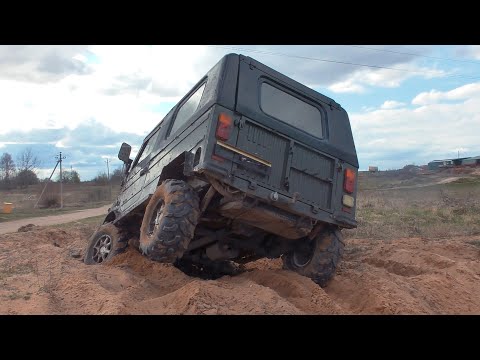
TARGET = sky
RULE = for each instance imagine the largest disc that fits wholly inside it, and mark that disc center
(407, 104)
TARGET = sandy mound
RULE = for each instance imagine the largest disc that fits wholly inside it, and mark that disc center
(41, 272)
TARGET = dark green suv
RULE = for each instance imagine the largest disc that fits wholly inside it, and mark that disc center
(249, 164)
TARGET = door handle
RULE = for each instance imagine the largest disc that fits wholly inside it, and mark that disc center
(143, 171)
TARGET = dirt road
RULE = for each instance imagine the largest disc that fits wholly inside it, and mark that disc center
(41, 272)
(12, 226)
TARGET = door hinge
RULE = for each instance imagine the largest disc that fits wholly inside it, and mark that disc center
(240, 122)
(339, 167)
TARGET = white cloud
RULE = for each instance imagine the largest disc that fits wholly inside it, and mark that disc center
(119, 91)
(460, 93)
(391, 104)
(41, 63)
(395, 137)
(376, 142)
(347, 87)
(386, 78)
(472, 51)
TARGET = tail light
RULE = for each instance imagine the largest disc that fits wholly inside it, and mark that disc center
(349, 181)
(224, 127)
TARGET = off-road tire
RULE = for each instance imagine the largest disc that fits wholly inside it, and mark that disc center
(326, 253)
(165, 238)
(108, 237)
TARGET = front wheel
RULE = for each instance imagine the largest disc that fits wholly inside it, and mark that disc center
(104, 244)
(317, 258)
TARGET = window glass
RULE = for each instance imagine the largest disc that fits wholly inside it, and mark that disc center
(149, 147)
(187, 109)
(290, 109)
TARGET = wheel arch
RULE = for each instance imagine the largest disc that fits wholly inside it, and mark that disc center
(110, 218)
(179, 168)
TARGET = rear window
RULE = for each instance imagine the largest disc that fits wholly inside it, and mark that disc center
(187, 109)
(291, 109)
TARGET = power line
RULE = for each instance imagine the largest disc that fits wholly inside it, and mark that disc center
(309, 58)
(414, 54)
(337, 61)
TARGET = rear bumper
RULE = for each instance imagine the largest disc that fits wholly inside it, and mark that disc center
(283, 203)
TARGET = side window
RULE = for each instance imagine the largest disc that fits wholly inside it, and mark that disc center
(291, 109)
(148, 148)
(187, 109)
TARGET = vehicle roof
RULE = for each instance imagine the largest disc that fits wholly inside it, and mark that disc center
(272, 72)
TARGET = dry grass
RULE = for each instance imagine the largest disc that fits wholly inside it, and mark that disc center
(76, 197)
(437, 211)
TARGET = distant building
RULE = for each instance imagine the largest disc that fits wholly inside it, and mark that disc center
(373, 168)
(468, 161)
(459, 161)
(473, 161)
(437, 164)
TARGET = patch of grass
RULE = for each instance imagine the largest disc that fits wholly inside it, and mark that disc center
(435, 211)
(88, 222)
(353, 249)
(20, 269)
(466, 180)
(75, 197)
(17, 295)
(474, 243)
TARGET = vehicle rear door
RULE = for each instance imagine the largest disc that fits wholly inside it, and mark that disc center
(281, 124)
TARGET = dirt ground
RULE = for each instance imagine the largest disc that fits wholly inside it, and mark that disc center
(41, 272)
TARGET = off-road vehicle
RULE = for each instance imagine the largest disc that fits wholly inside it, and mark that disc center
(249, 164)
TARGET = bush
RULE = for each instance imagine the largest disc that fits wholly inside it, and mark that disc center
(25, 178)
(51, 201)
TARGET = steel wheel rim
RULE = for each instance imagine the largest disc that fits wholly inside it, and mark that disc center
(155, 219)
(102, 248)
(303, 254)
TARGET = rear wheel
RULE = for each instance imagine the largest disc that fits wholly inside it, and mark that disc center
(317, 258)
(169, 221)
(104, 244)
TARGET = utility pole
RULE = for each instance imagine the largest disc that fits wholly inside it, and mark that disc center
(60, 158)
(108, 171)
(46, 183)
(108, 178)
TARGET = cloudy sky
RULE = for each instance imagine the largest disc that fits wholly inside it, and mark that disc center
(407, 104)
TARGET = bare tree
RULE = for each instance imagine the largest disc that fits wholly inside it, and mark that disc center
(27, 160)
(7, 169)
(27, 164)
